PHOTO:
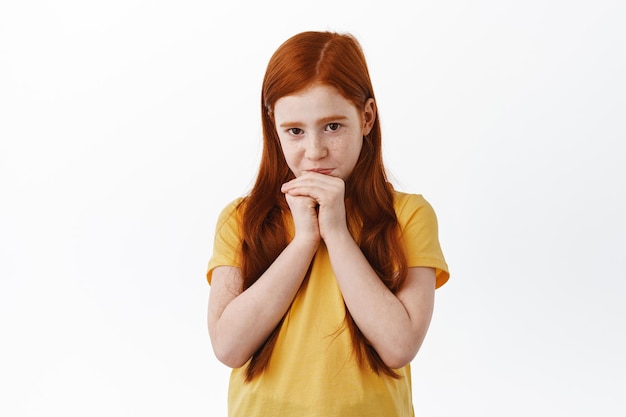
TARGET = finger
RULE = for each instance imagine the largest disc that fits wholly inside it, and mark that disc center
(312, 183)
(306, 191)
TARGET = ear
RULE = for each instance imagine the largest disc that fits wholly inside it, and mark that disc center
(369, 116)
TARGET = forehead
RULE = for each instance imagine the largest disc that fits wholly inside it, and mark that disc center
(315, 101)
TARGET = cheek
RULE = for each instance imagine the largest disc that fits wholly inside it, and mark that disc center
(290, 152)
(352, 147)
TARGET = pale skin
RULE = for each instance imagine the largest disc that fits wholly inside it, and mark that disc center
(321, 135)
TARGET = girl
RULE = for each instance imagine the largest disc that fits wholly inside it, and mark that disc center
(323, 276)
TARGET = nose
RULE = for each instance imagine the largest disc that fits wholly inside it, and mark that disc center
(315, 148)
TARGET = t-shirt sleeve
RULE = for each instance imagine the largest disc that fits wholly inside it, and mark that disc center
(421, 235)
(227, 240)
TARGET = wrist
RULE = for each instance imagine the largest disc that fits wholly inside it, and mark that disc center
(305, 243)
(338, 237)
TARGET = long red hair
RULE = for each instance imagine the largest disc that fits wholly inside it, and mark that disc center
(336, 60)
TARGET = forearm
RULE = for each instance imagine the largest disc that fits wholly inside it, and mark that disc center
(395, 331)
(250, 317)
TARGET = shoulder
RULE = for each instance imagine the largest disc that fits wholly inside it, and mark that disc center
(231, 208)
(418, 223)
(402, 200)
(230, 213)
(228, 228)
(410, 207)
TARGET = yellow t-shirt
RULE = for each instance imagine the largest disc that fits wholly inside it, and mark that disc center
(312, 372)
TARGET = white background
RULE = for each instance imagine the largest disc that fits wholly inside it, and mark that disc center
(126, 126)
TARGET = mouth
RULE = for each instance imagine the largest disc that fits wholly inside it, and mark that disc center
(325, 171)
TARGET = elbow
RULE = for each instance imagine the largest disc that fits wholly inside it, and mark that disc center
(229, 352)
(397, 360)
(230, 356)
(229, 360)
(400, 354)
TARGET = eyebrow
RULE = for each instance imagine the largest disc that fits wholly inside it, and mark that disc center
(323, 120)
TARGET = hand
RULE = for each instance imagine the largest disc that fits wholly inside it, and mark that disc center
(304, 213)
(327, 192)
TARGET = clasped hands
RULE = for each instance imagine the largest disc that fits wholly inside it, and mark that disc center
(317, 205)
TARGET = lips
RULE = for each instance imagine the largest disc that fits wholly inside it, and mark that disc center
(325, 171)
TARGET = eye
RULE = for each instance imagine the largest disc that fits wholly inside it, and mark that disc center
(295, 131)
(333, 126)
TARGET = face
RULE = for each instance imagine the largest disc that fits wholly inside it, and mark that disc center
(321, 131)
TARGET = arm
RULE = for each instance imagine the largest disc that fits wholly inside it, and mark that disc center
(239, 322)
(395, 324)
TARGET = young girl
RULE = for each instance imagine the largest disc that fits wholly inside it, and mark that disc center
(323, 276)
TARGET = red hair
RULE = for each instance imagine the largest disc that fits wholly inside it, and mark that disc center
(336, 60)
